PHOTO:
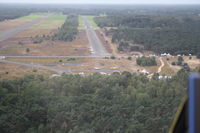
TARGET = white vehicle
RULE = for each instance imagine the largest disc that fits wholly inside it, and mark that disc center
(103, 73)
(96, 68)
(81, 73)
(2, 57)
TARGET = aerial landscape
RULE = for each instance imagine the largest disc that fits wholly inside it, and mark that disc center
(73, 68)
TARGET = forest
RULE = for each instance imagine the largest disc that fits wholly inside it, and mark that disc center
(11, 12)
(146, 61)
(68, 30)
(119, 103)
(174, 34)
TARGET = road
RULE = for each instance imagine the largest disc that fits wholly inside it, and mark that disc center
(23, 56)
(97, 47)
(161, 66)
(159, 69)
(7, 34)
(57, 70)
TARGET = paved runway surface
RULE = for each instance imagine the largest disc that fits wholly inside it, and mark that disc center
(24, 56)
(96, 46)
(58, 70)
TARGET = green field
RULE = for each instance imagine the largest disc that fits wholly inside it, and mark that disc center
(52, 22)
(32, 16)
(81, 25)
(91, 21)
(57, 17)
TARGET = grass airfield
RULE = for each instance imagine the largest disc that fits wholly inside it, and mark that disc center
(18, 45)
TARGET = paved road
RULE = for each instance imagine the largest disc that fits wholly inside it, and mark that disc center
(58, 70)
(7, 34)
(97, 47)
(23, 56)
(96, 70)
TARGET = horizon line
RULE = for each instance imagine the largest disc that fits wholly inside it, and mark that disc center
(74, 3)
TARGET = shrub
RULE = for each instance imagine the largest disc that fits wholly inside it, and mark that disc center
(180, 59)
(129, 58)
(173, 63)
(112, 57)
(146, 61)
(34, 70)
(27, 50)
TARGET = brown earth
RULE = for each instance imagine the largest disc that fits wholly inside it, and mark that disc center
(10, 24)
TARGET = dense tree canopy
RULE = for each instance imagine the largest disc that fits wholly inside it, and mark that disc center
(68, 30)
(119, 103)
(175, 34)
(146, 61)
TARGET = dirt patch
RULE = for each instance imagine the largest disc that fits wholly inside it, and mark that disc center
(14, 41)
(35, 32)
(104, 41)
(168, 69)
(10, 24)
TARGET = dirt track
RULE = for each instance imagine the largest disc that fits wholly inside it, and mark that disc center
(161, 66)
(159, 69)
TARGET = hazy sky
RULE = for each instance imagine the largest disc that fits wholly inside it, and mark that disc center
(106, 1)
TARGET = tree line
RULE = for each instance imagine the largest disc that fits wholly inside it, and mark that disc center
(146, 61)
(174, 34)
(119, 103)
(68, 30)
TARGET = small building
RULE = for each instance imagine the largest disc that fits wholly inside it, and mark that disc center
(144, 71)
(103, 73)
(55, 75)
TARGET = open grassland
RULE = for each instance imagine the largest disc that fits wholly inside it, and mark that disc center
(193, 63)
(10, 71)
(18, 44)
(47, 61)
(168, 69)
(81, 24)
(32, 16)
(91, 21)
(57, 17)
(80, 46)
(52, 22)
(92, 65)
(89, 65)
(28, 33)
